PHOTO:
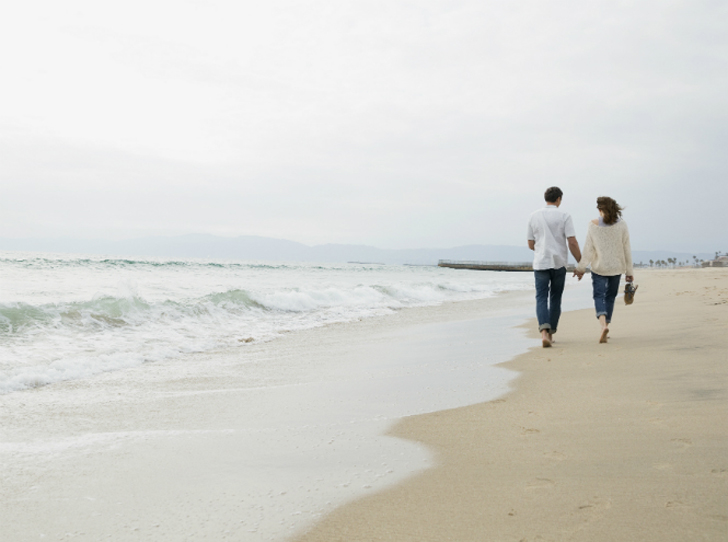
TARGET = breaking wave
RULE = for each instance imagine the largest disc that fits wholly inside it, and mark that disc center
(63, 319)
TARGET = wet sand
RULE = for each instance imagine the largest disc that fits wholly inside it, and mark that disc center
(620, 441)
(251, 444)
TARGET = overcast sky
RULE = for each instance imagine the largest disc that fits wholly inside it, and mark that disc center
(399, 124)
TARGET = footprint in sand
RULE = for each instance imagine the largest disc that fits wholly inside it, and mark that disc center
(529, 431)
(556, 456)
(657, 421)
(540, 483)
(682, 442)
(595, 506)
(592, 510)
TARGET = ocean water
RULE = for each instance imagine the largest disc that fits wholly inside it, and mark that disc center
(66, 317)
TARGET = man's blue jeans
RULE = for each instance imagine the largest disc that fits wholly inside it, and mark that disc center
(605, 291)
(549, 287)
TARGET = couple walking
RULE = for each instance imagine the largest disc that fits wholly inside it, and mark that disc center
(551, 236)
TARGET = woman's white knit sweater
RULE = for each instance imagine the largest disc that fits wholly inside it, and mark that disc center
(607, 249)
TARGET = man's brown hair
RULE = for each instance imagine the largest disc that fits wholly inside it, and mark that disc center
(552, 194)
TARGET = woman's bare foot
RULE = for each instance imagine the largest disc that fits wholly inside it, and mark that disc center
(545, 339)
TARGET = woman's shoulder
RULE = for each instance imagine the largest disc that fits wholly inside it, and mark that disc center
(596, 223)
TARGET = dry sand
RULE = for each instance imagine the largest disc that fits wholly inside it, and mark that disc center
(620, 441)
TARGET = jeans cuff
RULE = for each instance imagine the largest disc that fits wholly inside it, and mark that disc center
(547, 327)
(601, 314)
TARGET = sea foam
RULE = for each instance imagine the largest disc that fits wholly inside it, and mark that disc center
(65, 318)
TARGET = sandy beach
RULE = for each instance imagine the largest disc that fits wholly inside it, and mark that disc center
(293, 439)
(623, 441)
(254, 443)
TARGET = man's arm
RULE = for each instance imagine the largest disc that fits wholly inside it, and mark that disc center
(530, 235)
(576, 253)
(574, 248)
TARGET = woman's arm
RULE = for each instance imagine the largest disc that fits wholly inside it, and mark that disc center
(628, 254)
(588, 252)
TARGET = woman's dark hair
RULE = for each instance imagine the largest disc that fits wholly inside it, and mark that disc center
(611, 210)
(552, 194)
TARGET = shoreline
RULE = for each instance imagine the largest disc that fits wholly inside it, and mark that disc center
(259, 445)
(624, 441)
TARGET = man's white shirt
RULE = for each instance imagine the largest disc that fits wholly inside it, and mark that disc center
(548, 228)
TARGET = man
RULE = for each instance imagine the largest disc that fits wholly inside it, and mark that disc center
(550, 233)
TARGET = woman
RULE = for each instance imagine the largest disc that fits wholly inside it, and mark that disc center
(608, 251)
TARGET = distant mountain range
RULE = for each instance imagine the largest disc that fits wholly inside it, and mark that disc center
(268, 249)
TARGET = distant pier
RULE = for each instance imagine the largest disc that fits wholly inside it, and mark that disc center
(491, 266)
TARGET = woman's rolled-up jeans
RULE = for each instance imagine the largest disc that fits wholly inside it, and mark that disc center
(605, 291)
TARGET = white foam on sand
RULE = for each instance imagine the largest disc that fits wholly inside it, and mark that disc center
(253, 447)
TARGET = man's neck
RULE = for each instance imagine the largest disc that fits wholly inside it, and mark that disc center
(553, 203)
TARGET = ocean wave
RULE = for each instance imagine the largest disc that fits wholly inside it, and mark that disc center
(46, 262)
(41, 262)
(133, 310)
(75, 318)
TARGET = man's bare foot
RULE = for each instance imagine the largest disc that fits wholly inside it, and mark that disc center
(545, 339)
(551, 338)
(603, 337)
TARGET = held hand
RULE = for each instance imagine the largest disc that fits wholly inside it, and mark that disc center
(579, 274)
